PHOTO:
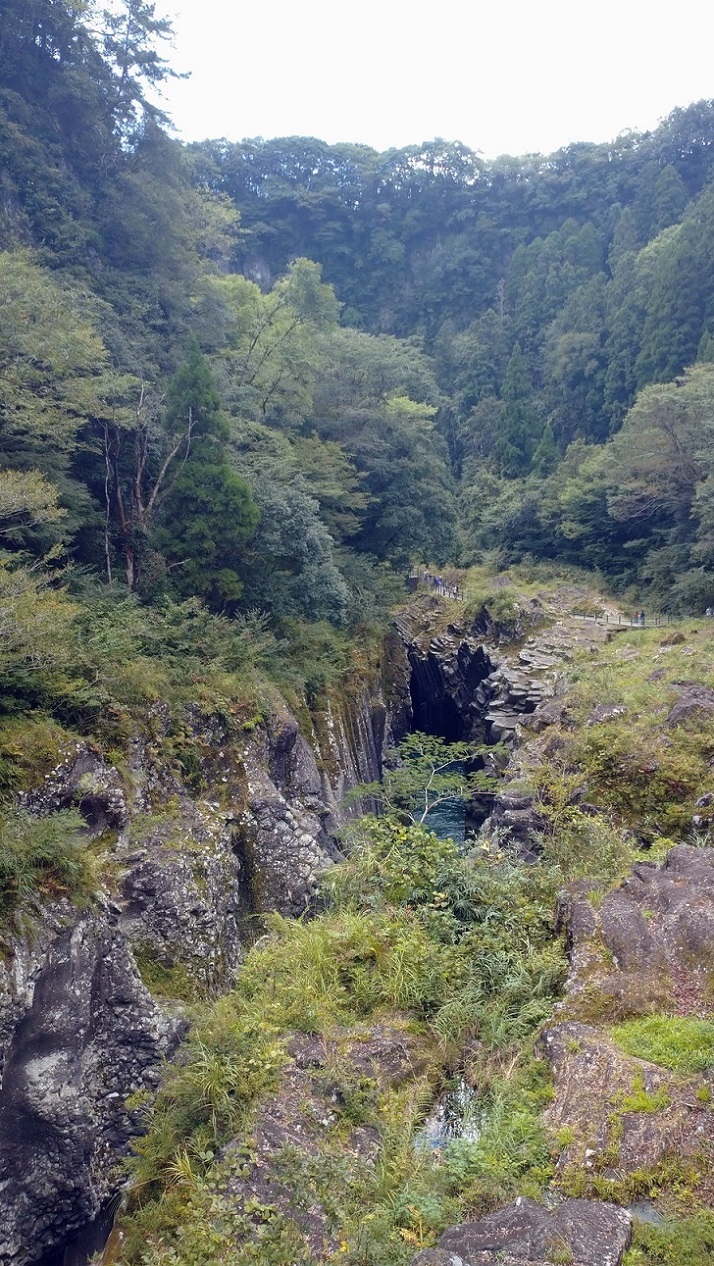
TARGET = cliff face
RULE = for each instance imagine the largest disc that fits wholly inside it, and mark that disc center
(189, 851)
(79, 1033)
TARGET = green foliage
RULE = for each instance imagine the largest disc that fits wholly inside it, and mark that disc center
(399, 863)
(641, 1100)
(678, 1042)
(512, 1154)
(171, 981)
(131, 31)
(686, 1242)
(41, 859)
(206, 522)
(36, 636)
(315, 659)
(515, 440)
(430, 772)
(27, 498)
(582, 846)
(517, 308)
(458, 946)
(30, 746)
(53, 362)
(290, 566)
(647, 775)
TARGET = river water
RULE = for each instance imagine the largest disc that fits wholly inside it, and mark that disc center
(448, 819)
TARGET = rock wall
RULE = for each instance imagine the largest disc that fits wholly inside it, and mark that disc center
(79, 1033)
(198, 833)
(446, 674)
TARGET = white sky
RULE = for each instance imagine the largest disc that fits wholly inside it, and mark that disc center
(503, 78)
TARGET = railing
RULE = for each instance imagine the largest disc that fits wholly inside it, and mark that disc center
(427, 582)
(642, 621)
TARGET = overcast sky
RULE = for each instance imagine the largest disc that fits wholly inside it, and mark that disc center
(510, 78)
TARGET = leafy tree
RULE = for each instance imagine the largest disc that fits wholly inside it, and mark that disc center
(131, 31)
(290, 569)
(54, 365)
(207, 510)
(514, 442)
(374, 398)
(403, 462)
(675, 311)
(471, 365)
(575, 362)
(271, 350)
(165, 466)
(27, 498)
(36, 637)
(663, 451)
(334, 482)
(685, 139)
(430, 772)
(545, 457)
(208, 517)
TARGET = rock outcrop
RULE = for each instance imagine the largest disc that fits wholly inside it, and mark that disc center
(299, 1120)
(647, 947)
(579, 1232)
(79, 1033)
(625, 1115)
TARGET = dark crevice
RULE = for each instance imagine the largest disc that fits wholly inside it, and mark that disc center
(82, 1247)
(444, 693)
(250, 884)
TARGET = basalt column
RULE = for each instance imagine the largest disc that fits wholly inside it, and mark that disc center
(446, 676)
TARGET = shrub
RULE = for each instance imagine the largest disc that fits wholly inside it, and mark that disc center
(688, 1242)
(41, 858)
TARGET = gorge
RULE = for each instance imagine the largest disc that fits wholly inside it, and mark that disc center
(187, 875)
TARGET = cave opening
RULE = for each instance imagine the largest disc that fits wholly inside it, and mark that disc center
(449, 697)
(450, 700)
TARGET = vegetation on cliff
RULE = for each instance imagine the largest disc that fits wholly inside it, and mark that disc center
(462, 952)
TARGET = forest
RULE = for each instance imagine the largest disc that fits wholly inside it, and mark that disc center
(270, 375)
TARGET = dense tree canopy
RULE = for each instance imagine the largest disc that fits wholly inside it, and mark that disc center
(257, 373)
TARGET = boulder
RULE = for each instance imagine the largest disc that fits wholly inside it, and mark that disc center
(649, 946)
(695, 702)
(581, 1232)
(625, 1114)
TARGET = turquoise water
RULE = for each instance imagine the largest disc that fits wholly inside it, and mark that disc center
(448, 819)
